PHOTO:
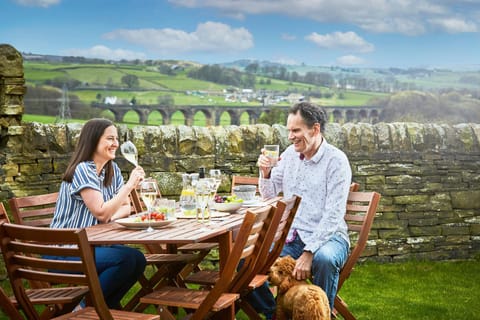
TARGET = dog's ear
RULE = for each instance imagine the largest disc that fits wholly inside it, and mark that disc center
(285, 284)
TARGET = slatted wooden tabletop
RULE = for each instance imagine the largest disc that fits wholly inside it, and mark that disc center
(179, 232)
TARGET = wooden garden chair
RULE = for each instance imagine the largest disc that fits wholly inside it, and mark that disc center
(279, 237)
(244, 180)
(361, 210)
(8, 304)
(27, 252)
(275, 230)
(216, 301)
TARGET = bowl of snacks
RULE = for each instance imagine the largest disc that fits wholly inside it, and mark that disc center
(246, 192)
(227, 203)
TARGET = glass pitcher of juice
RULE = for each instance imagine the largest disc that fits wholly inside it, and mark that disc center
(187, 201)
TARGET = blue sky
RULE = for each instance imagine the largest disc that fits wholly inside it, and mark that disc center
(360, 33)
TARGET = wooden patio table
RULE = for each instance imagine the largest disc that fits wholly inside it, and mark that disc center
(177, 233)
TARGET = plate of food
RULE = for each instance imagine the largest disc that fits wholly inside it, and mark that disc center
(227, 203)
(140, 221)
(256, 202)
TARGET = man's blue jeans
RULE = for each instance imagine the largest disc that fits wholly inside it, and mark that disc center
(326, 265)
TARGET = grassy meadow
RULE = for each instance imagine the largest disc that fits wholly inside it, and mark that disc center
(418, 290)
(106, 80)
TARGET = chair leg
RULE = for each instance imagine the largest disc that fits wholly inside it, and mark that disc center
(160, 277)
(248, 309)
(341, 307)
(227, 313)
(164, 313)
(8, 307)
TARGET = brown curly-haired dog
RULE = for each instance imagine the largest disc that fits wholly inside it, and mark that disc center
(297, 299)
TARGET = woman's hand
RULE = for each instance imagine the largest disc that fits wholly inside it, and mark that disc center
(136, 176)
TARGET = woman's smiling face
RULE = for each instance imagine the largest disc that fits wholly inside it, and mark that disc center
(107, 145)
(305, 140)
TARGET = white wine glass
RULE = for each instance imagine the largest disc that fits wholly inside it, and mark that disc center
(148, 193)
(216, 174)
(202, 196)
(129, 152)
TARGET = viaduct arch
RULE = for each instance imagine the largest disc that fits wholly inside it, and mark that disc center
(339, 114)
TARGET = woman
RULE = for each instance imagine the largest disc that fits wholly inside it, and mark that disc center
(92, 192)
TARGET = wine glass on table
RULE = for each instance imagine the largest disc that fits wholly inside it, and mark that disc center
(216, 175)
(129, 152)
(202, 196)
(148, 193)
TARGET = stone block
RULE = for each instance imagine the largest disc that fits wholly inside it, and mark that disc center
(425, 231)
(411, 199)
(11, 61)
(468, 199)
(455, 229)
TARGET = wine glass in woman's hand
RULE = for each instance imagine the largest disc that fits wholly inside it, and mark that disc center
(129, 152)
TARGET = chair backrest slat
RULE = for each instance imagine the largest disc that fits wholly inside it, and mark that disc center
(34, 210)
(287, 209)
(265, 224)
(243, 180)
(361, 210)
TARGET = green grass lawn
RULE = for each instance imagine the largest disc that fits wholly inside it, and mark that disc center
(405, 291)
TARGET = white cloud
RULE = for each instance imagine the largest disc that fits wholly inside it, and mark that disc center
(410, 17)
(208, 37)
(453, 25)
(288, 37)
(286, 60)
(341, 40)
(102, 52)
(350, 60)
(37, 3)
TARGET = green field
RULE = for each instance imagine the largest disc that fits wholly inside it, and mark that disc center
(105, 80)
(131, 119)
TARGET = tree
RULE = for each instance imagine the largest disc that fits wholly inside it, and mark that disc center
(273, 116)
(252, 68)
(166, 101)
(131, 80)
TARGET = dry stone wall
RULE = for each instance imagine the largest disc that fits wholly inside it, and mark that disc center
(428, 174)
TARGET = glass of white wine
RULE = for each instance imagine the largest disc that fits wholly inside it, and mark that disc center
(129, 152)
(148, 193)
(202, 196)
(216, 174)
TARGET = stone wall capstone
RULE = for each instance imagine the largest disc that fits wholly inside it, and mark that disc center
(428, 174)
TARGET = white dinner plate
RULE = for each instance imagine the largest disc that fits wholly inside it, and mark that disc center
(131, 223)
(213, 214)
(253, 203)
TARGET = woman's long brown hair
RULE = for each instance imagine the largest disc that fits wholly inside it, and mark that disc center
(91, 133)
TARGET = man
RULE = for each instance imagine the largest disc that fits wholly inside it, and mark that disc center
(320, 173)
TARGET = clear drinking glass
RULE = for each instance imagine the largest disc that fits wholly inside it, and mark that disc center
(165, 206)
(272, 151)
(148, 192)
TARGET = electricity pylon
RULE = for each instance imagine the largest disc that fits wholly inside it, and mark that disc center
(64, 111)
